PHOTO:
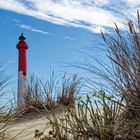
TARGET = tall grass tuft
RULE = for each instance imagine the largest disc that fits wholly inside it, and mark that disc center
(34, 99)
(124, 53)
(50, 89)
(94, 118)
(51, 94)
(123, 75)
(5, 109)
(69, 90)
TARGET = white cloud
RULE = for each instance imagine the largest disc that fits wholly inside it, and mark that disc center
(92, 15)
(98, 29)
(69, 38)
(133, 1)
(102, 2)
(30, 28)
(16, 20)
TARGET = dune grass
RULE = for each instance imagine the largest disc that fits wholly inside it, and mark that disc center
(6, 112)
(104, 117)
(3, 114)
(51, 94)
(95, 117)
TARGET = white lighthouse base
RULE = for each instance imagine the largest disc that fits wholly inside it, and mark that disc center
(22, 88)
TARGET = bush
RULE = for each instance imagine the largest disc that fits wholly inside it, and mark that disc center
(52, 93)
(69, 90)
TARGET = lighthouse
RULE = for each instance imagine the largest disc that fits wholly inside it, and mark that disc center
(22, 70)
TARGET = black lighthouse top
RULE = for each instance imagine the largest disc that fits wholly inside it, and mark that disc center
(22, 44)
(21, 38)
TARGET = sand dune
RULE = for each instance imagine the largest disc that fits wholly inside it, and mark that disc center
(24, 129)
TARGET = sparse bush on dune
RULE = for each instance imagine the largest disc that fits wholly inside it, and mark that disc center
(124, 52)
(94, 118)
(3, 82)
(34, 98)
(5, 109)
(51, 94)
(41, 95)
(69, 90)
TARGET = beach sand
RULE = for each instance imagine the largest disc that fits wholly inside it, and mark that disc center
(24, 128)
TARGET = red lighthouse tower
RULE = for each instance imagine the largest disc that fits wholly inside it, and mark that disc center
(22, 70)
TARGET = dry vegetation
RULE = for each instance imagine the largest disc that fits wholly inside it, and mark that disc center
(103, 117)
(53, 93)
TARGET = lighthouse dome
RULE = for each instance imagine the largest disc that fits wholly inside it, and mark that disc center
(22, 43)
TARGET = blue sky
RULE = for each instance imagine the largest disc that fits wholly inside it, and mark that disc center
(54, 48)
(57, 30)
